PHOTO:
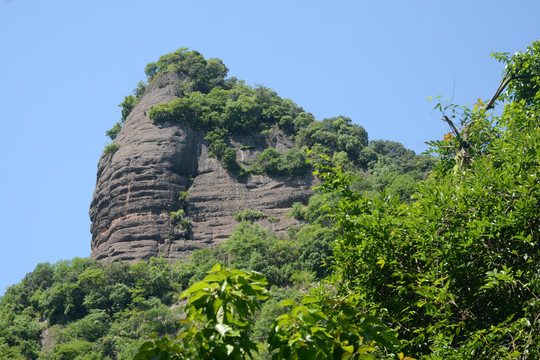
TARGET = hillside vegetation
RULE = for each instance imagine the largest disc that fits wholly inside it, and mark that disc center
(223, 107)
(383, 267)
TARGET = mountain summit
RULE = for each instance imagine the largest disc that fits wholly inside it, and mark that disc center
(197, 152)
(162, 191)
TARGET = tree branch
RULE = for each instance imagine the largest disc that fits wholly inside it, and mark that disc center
(503, 85)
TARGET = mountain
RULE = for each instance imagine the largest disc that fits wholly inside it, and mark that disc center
(196, 151)
(138, 186)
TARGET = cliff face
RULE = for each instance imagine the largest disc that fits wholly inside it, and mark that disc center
(138, 186)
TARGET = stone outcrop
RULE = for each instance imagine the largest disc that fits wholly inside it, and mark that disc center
(139, 185)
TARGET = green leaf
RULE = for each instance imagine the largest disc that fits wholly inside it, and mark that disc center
(287, 302)
(213, 277)
(194, 288)
(198, 297)
(215, 268)
(220, 315)
(309, 299)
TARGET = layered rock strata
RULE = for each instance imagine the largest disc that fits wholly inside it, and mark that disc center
(139, 185)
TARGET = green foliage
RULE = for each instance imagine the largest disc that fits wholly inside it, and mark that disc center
(389, 166)
(455, 271)
(252, 247)
(182, 198)
(127, 106)
(86, 310)
(255, 248)
(139, 90)
(229, 159)
(249, 215)
(10, 352)
(217, 311)
(335, 134)
(204, 75)
(524, 70)
(272, 162)
(113, 132)
(111, 148)
(185, 224)
(328, 328)
(179, 217)
(82, 309)
(298, 211)
(295, 162)
(222, 108)
(75, 349)
(194, 270)
(233, 108)
(237, 109)
(92, 327)
(218, 145)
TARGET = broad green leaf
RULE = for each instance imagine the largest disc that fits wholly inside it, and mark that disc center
(287, 302)
(220, 315)
(213, 277)
(215, 268)
(195, 287)
(309, 299)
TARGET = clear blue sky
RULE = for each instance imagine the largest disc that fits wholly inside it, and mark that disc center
(66, 65)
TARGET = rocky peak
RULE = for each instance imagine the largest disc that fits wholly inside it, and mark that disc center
(163, 168)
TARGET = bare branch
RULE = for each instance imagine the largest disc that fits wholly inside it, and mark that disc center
(503, 85)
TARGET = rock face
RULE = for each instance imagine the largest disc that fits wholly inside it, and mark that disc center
(139, 185)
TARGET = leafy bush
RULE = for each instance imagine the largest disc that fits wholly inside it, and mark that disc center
(182, 198)
(111, 148)
(204, 74)
(270, 161)
(113, 132)
(249, 215)
(177, 215)
(127, 106)
(338, 134)
(295, 162)
(140, 89)
(298, 211)
(229, 159)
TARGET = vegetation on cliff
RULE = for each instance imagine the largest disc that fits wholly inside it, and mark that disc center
(223, 107)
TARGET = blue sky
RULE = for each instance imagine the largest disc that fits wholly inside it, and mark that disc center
(66, 65)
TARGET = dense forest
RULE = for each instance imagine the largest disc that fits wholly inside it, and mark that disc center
(397, 256)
